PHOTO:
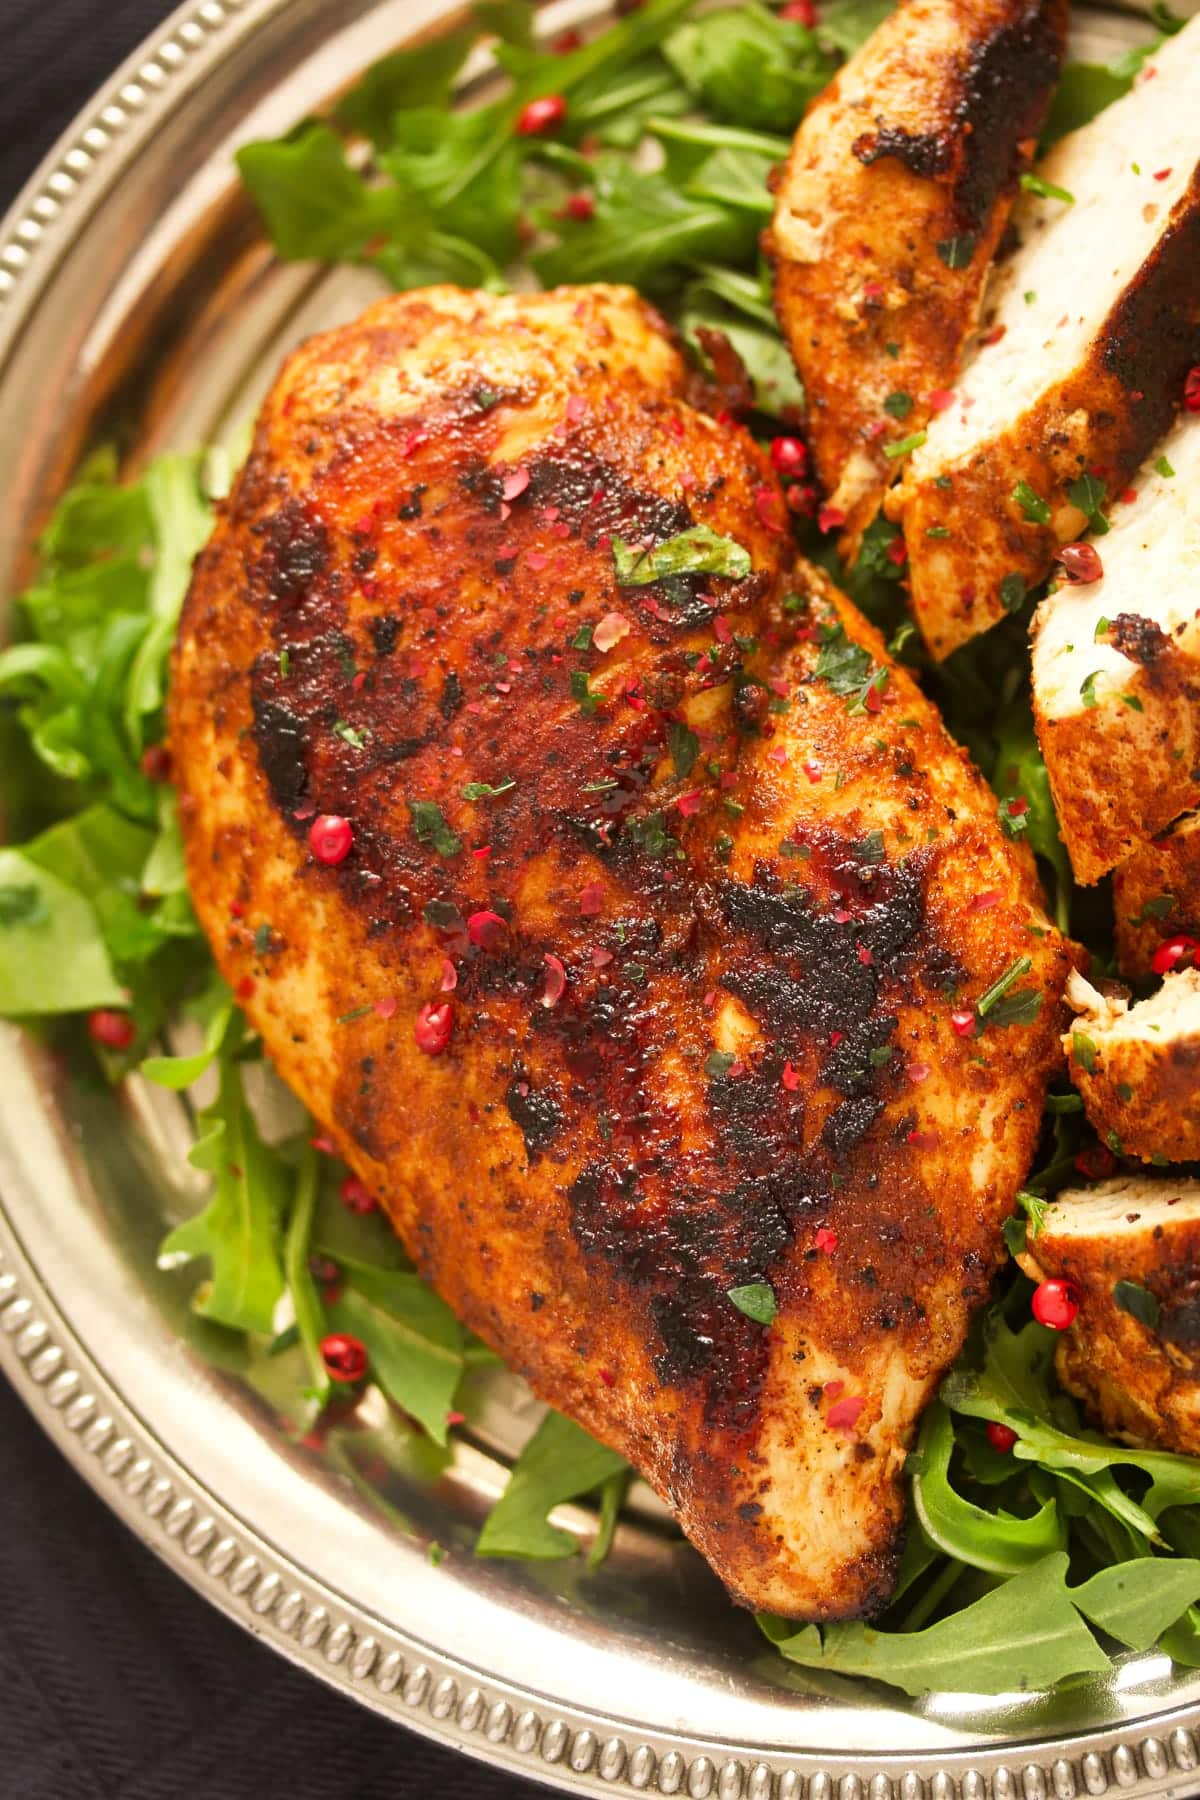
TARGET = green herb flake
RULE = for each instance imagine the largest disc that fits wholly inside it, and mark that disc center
(696, 551)
(1132, 702)
(285, 663)
(898, 404)
(1163, 467)
(1046, 190)
(1158, 908)
(1013, 592)
(581, 691)
(756, 1299)
(840, 662)
(1035, 509)
(430, 827)
(349, 734)
(1103, 627)
(718, 1063)
(1084, 1050)
(937, 531)
(582, 639)
(486, 790)
(905, 446)
(684, 747)
(1138, 1302)
(956, 252)
(1087, 689)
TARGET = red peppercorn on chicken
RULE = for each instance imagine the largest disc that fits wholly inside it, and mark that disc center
(631, 925)
(890, 207)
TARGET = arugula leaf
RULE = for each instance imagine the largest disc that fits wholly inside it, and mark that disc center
(53, 957)
(696, 551)
(1136, 1601)
(1019, 769)
(749, 66)
(181, 521)
(1011, 1388)
(313, 204)
(684, 748)
(413, 1339)
(765, 357)
(423, 76)
(1023, 1636)
(995, 1541)
(213, 1009)
(643, 229)
(237, 1232)
(847, 24)
(559, 1463)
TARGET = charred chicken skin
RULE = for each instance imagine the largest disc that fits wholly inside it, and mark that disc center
(640, 964)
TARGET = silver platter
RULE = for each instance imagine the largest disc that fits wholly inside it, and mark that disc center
(135, 295)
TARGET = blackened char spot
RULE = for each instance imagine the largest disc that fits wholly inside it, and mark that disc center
(535, 1112)
(295, 551)
(451, 697)
(1140, 639)
(279, 737)
(849, 1123)
(1006, 89)
(1179, 1323)
(384, 632)
(926, 153)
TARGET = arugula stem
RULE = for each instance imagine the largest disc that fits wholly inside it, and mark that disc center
(932, 1596)
(720, 137)
(612, 1497)
(310, 1314)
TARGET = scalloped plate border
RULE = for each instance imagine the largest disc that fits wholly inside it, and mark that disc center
(217, 1553)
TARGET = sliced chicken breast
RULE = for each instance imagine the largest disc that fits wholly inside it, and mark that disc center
(1091, 327)
(1156, 895)
(1138, 1066)
(1132, 1248)
(892, 202)
(1116, 667)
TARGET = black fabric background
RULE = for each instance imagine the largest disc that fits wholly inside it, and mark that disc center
(116, 1681)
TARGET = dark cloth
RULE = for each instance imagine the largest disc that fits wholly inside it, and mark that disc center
(117, 1682)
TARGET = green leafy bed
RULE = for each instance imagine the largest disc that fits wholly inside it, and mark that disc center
(1022, 1568)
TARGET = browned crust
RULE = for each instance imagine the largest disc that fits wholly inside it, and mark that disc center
(1137, 1382)
(1156, 895)
(573, 1180)
(955, 94)
(1142, 1097)
(1107, 414)
(1123, 770)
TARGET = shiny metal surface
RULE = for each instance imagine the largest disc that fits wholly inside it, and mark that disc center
(135, 297)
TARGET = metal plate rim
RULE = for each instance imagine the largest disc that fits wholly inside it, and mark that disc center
(139, 1476)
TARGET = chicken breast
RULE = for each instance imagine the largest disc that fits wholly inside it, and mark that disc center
(646, 975)
(1138, 1066)
(1132, 1247)
(892, 202)
(1092, 325)
(1156, 895)
(1116, 668)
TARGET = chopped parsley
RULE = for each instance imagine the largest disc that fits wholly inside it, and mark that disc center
(1137, 1301)
(718, 1064)
(431, 828)
(349, 734)
(956, 252)
(1087, 689)
(841, 662)
(485, 790)
(1164, 468)
(1001, 1005)
(757, 1300)
(1089, 494)
(1012, 592)
(684, 747)
(696, 551)
(905, 445)
(1046, 190)
(581, 691)
(899, 404)
(1035, 509)
(1084, 1051)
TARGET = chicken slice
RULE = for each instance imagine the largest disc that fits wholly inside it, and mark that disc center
(1116, 669)
(1132, 1247)
(1138, 1067)
(1093, 324)
(1156, 895)
(895, 195)
(639, 981)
